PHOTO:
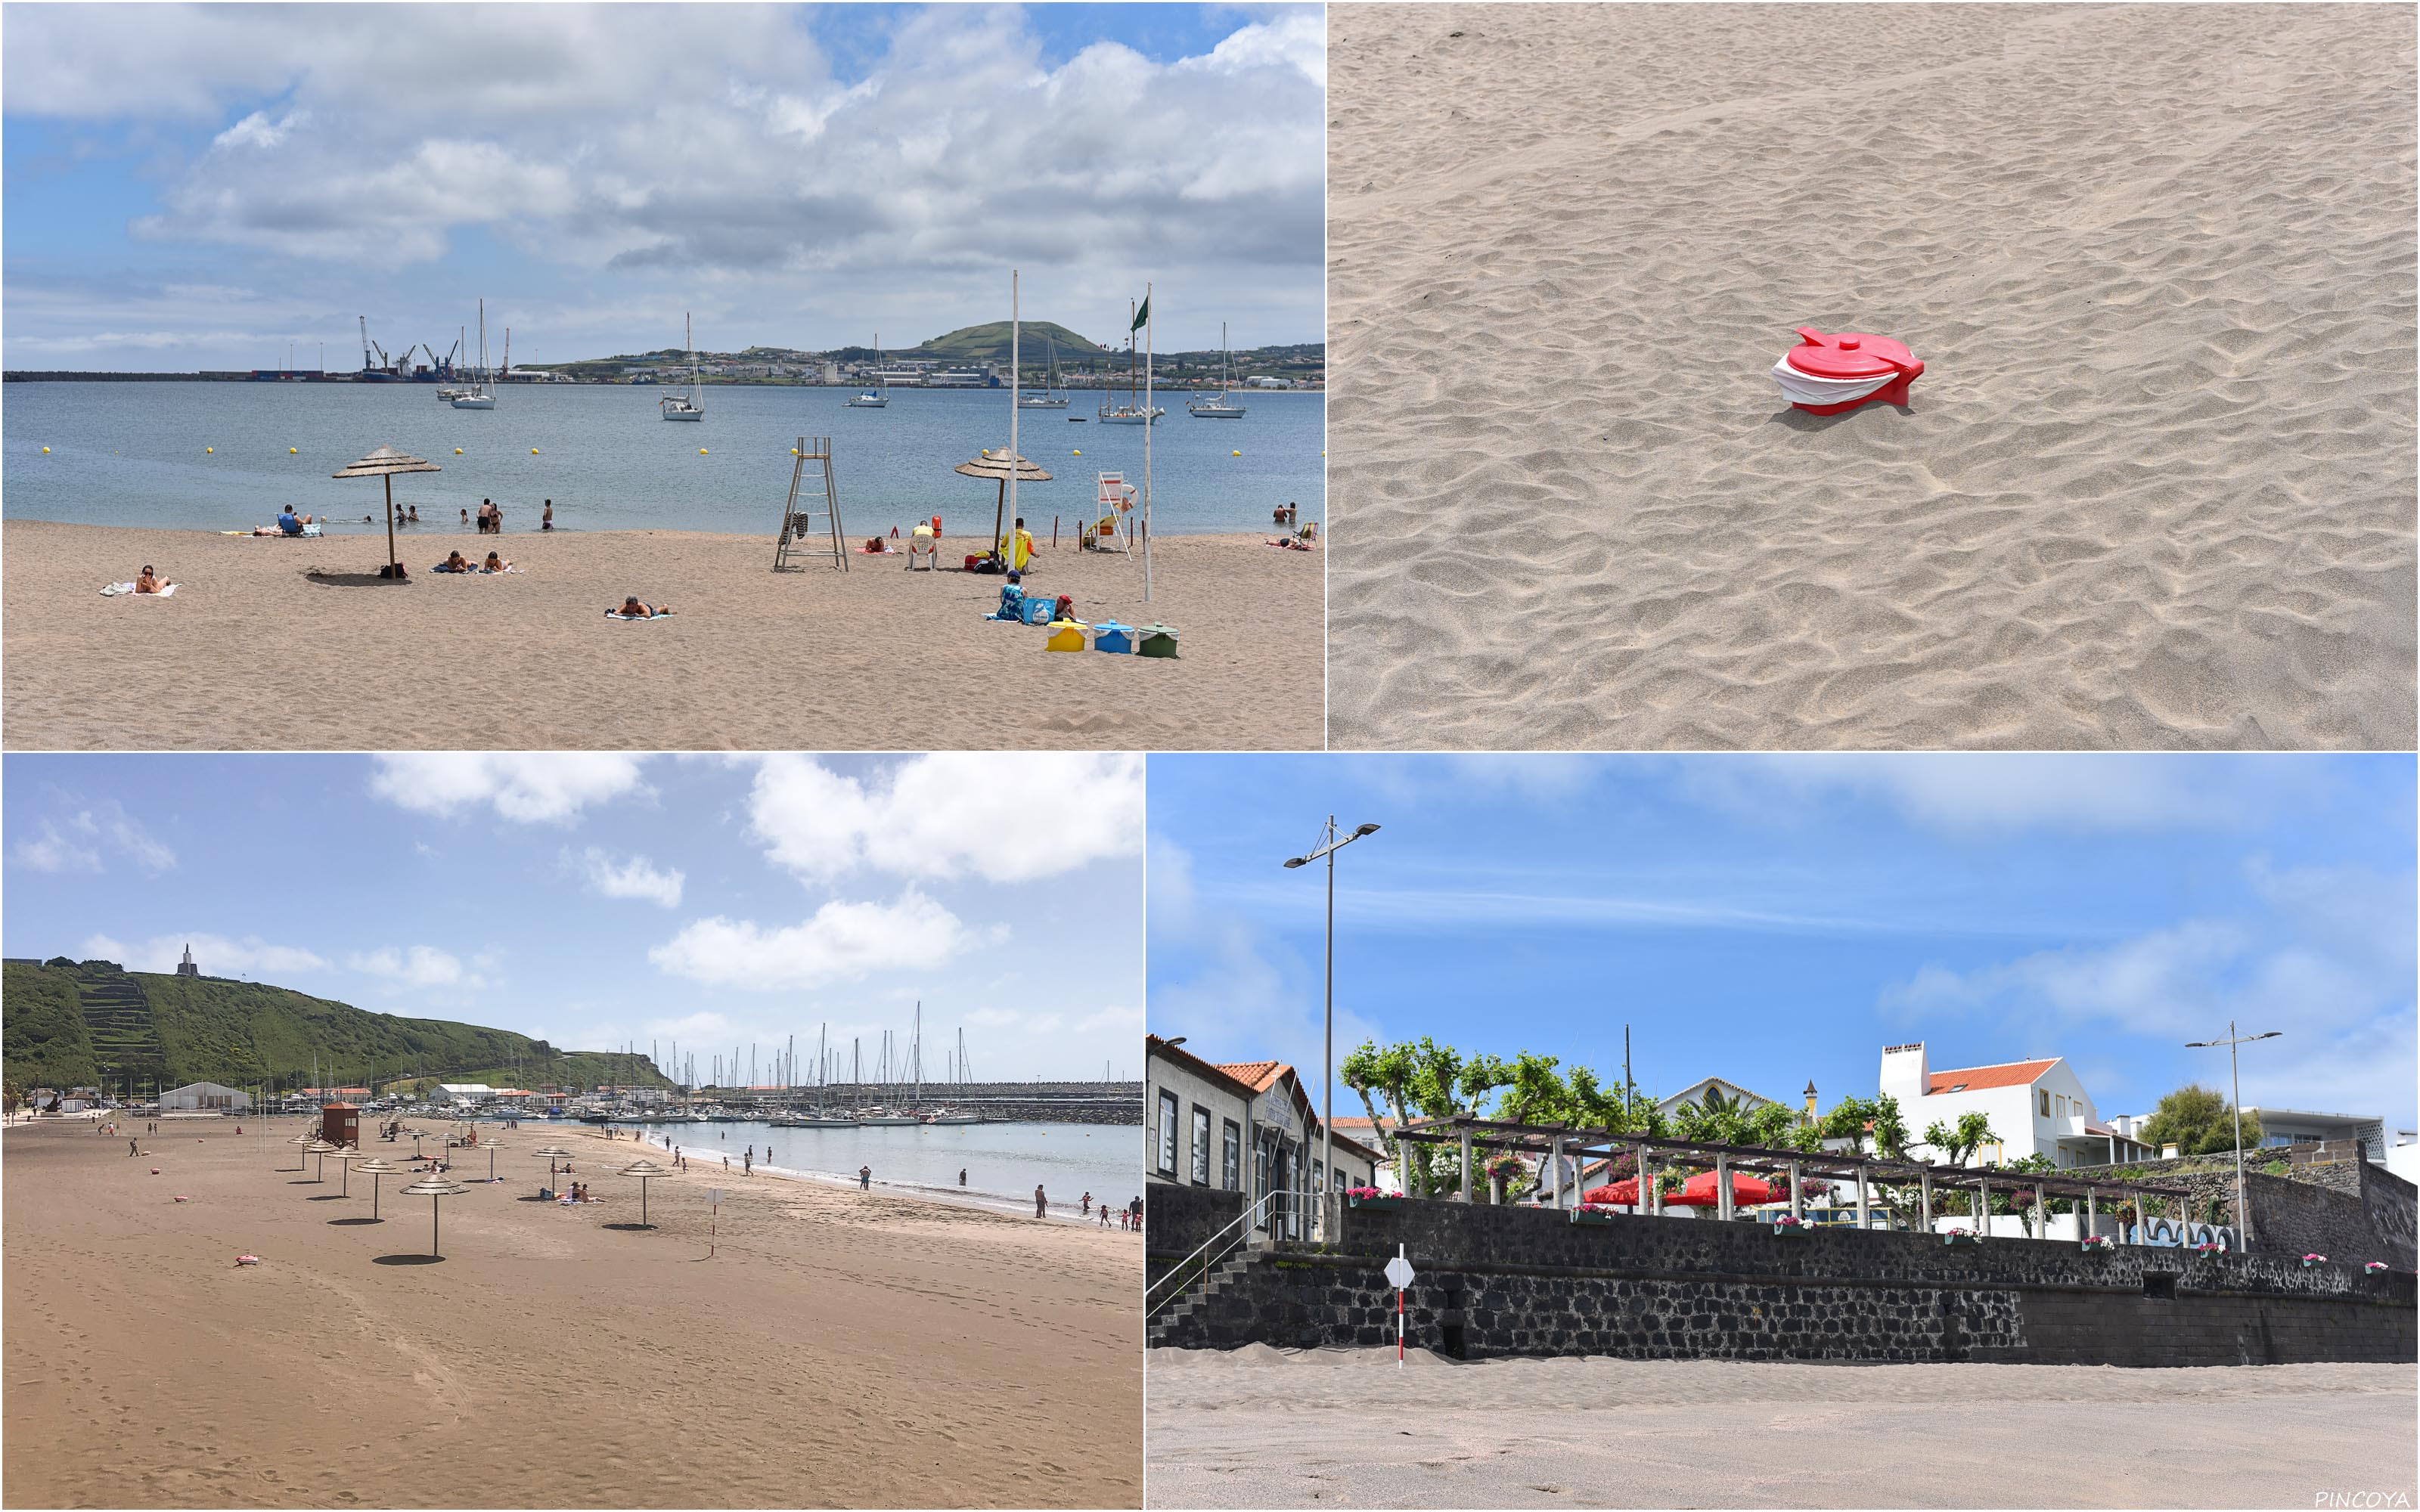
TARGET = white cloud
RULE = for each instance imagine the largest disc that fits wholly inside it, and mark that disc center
(1988, 793)
(2327, 955)
(80, 837)
(419, 966)
(215, 954)
(631, 136)
(52, 851)
(841, 942)
(550, 787)
(637, 877)
(1000, 816)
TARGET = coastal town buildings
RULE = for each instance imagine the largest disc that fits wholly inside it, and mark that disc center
(2036, 1108)
(1246, 1126)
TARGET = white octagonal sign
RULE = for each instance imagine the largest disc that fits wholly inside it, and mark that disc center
(1399, 1273)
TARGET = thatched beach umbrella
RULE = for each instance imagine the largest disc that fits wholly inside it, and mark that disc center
(323, 1149)
(433, 1188)
(553, 1153)
(374, 1169)
(644, 1171)
(302, 1144)
(492, 1146)
(385, 463)
(345, 1159)
(1000, 465)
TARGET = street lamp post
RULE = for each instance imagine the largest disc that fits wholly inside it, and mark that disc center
(1329, 844)
(2235, 1071)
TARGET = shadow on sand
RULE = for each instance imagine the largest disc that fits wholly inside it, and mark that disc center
(405, 1259)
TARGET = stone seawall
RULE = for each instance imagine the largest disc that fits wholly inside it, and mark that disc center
(2330, 1201)
(1496, 1281)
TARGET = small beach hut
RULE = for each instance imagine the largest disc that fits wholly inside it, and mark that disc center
(642, 1172)
(433, 1188)
(385, 463)
(1000, 465)
(374, 1168)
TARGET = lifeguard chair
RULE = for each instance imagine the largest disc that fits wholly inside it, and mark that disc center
(923, 542)
(1112, 501)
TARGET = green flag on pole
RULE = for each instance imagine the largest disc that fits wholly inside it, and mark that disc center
(1142, 315)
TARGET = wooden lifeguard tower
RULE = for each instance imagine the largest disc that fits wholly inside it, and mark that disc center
(811, 518)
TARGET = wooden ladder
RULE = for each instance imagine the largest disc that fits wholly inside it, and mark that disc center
(811, 519)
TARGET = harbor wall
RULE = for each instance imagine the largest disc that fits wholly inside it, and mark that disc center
(1509, 1281)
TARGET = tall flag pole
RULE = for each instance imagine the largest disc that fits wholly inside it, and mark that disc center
(1149, 328)
(1009, 558)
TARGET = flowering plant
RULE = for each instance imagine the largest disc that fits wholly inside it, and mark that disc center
(2096, 1242)
(1954, 1230)
(2375, 1265)
(1596, 1207)
(1363, 1191)
(2209, 1245)
(2314, 1258)
(1786, 1221)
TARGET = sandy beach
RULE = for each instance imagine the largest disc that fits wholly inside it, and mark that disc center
(1262, 1428)
(837, 1349)
(253, 653)
(2156, 486)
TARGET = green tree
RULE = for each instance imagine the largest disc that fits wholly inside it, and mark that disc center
(1955, 1142)
(2199, 1121)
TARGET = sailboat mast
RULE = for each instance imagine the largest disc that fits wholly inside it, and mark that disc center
(1014, 457)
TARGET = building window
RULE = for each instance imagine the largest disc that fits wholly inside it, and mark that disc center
(1201, 1147)
(1168, 1135)
(1230, 1158)
(2045, 1104)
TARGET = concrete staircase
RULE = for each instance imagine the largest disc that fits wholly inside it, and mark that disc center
(1174, 1323)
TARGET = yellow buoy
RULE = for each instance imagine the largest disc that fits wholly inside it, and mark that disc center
(794, 451)
(532, 451)
(700, 450)
(291, 452)
(457, 451)
(46, 451)
(1234, 453)
(210, 448)
(1079, 451)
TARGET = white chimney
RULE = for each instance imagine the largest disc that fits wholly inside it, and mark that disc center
(1905, 1076)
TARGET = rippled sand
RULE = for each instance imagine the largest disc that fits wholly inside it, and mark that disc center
(2156, 487)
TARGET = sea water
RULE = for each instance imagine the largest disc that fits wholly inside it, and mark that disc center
(1002, 1160)
(214, 456)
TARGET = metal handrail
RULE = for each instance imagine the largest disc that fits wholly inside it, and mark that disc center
(1240, 1220)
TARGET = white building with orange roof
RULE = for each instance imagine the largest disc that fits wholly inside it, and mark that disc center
(2036, 1108)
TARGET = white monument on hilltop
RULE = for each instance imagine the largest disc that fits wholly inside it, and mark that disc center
(186, 967)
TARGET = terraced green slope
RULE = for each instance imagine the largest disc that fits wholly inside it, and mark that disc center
(68, 1024)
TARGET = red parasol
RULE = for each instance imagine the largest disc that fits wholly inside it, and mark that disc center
(1746, 1190)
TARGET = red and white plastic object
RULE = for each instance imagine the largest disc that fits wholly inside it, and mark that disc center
(1824, 375)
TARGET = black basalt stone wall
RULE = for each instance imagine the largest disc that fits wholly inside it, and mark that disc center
(1178, 1220)
(1498, 1281)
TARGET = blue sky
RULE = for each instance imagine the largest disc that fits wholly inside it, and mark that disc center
(596, 899)
(196, 186)
(1780, 919)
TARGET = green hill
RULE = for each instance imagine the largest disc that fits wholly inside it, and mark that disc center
(989, 344)
(69, 1023)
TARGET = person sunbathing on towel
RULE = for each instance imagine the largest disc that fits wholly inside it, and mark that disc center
(455, 561)
(634, 609)
(495, 563)
(149, 582)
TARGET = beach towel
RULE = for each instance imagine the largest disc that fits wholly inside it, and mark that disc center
(113, 590)
(617, 614)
